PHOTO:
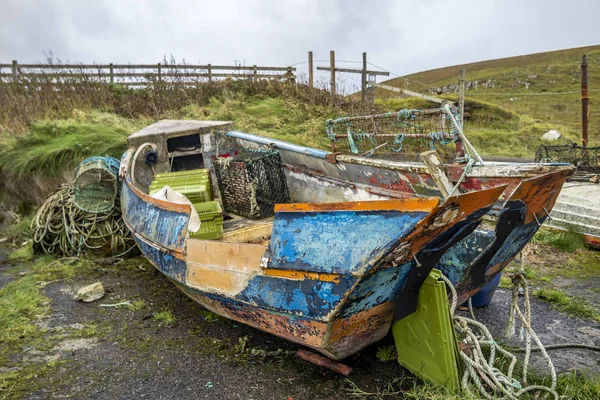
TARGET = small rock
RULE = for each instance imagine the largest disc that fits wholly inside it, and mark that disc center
(90, 293)
(551, 135)
(532, 76)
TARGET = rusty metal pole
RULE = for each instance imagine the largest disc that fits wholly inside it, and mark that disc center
(310, 70)
(585, 102)
(332, 70)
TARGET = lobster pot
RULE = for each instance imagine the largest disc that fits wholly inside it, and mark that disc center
(96, 184)
(252, 182)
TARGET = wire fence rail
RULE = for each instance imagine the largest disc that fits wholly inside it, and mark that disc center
(137, 74)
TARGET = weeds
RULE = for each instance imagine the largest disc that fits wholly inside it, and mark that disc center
(164, 317)
(387, 353)
(570, 305)
(137, 305)
(566, 241)
(23, 253)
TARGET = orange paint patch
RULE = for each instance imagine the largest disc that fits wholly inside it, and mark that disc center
(408, 204)
(300, 276)
(453, 210)
(350, 335)
(540, 193)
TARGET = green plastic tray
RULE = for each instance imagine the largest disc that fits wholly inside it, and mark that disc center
(426, 340)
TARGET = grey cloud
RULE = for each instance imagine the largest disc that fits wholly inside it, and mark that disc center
(402, 36)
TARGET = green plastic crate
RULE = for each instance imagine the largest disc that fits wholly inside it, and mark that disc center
(211, 218)
(195, 184)
(201, 172)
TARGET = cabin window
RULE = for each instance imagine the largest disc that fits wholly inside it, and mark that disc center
(187, 162)
(183, 143)
(185, 152)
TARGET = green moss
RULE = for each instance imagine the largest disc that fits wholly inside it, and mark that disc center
(137, 305)
(575, 306)
(387, 353)
(164, 317)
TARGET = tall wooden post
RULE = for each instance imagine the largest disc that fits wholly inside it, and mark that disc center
(364, 79)
(254, 72)
(209, 71)
(159, 78)
(585, 102)
(461, 95)
(14, 70)
(310, 70)
(332, 70)
(110, 66)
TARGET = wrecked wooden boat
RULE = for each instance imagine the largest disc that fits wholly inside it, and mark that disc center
(349, 252)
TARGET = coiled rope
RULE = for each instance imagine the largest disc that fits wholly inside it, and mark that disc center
(61, 227)
(480, 370)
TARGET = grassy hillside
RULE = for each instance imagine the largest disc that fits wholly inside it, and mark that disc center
(542, 89)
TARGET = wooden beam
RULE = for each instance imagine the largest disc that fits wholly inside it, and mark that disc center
(410, 93)
(332, 70)
(354, 71)
(363, 86)
(435, 165)
(461, 95)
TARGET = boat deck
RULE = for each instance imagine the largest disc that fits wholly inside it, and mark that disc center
(245, 230)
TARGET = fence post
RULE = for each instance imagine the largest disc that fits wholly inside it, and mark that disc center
(111, 73)
(332, 70)
(310, 70)
(254, 72)
(290, 75)
(14, 70)
(461, 95)
(159, 73)
(364, 79)
(585, 102)
(209, 70)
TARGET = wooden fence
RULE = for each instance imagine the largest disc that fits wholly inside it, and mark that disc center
(137, 74)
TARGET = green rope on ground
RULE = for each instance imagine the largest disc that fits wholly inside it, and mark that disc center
(61, 227)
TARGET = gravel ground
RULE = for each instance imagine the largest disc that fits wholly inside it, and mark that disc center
(126, 354)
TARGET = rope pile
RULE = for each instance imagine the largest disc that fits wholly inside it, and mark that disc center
(481, 370)
(61, 227)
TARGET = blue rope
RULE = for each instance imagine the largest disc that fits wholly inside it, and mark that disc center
(437, 137)
(398, 139)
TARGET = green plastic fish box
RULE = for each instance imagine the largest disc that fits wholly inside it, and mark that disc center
(196, 188)
(199, 172)
(211, 218)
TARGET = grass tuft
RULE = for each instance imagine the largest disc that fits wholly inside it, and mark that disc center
(23, 253)
(566, 241)
(164, 317)
(571, 305)
(387, 353)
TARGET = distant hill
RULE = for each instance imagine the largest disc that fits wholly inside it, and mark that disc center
(542, 90)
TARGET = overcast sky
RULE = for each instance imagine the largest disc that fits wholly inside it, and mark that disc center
(401, 36)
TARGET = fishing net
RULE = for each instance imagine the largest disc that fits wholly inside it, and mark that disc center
(252, 182)
(400, 135)
(585, 159)
(96, 184)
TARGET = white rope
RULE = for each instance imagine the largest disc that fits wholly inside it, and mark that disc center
(480, 370)
(468, 146)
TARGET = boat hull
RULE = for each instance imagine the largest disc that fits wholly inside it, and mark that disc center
(298, 288)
